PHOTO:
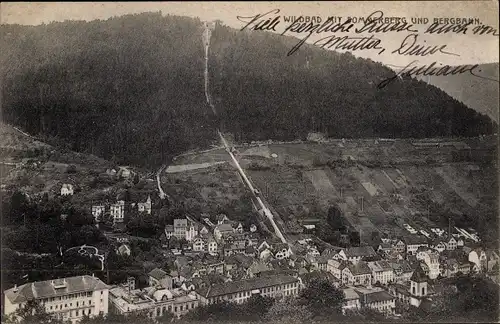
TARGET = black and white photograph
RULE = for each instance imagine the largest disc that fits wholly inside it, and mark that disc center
(249, 162)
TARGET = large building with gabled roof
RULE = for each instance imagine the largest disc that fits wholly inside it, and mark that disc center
(66, 298)
(241, 290)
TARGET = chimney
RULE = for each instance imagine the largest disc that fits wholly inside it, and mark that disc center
(15, 288)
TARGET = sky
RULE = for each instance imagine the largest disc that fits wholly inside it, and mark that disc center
(467, 49)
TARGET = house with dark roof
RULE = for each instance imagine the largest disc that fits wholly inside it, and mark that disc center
(240, 291)
(223, 230)
(402, 270)
(335, 267)
(357, 253)
(377, 299)
(281, 250)
(352, 301)
(413, 242)
(384, 248)
(158, 277)
(235, 247)
(67, 298)
(382, 271)
(256, 268)
(357, 274)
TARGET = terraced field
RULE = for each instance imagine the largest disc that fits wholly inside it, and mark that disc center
(378, 186)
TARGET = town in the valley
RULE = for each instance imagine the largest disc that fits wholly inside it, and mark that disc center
(201, 259)
(163, 169)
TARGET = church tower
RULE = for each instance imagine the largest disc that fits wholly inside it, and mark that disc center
(418, 286)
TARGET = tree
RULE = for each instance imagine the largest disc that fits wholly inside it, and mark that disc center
(322, 298)
(33, 313)
(71, 169)
(257, 307)
(288, 311)
(136, 178)
(335, 218)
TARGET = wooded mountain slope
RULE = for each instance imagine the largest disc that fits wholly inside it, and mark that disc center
(130, 89)
(478, 93)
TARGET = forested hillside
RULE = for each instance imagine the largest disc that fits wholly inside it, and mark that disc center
(481, 94)
(130, 89)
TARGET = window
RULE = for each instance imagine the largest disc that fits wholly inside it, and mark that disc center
(90, 302)
(50, 307)
(76, 304)
(90, 311)
(175, 309)
(102, 292)
(65, 305)
(77, 313)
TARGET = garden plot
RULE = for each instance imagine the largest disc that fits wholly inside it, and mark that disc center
(384, 183)
(372, 189)
(395, 178)
(284, 187)
(321, 183)
(458, 183)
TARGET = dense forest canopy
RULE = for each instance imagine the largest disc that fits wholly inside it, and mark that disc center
(131, 89)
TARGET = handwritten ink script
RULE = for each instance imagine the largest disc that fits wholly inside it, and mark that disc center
(370, 33)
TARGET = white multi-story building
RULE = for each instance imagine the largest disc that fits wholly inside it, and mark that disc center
(240, 291)
(451, 244)
(98, 210)
(117, 211)
(67, 189)
(145, 207)
(66, 298)
(431, 258)
(191, 230)
(382, 272)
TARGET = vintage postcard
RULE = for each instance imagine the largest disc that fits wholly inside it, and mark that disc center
(249, 162)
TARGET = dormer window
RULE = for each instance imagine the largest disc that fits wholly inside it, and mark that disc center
(59, 283)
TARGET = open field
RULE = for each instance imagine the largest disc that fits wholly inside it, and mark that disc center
(380, 187)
